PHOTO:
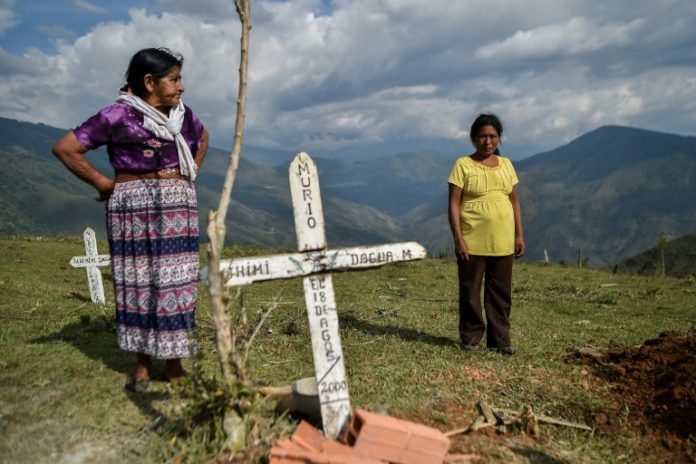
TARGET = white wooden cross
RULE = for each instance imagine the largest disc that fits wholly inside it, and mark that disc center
(92, 261)
(314, 262)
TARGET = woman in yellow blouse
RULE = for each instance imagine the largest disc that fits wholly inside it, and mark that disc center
(486, 222)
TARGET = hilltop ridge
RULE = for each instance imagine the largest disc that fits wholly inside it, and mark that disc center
(609, 193)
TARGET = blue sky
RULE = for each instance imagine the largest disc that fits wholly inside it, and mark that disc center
(40, 23)
(376, 76)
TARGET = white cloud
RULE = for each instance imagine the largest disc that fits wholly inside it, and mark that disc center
(578, 35)
(8, 18)
(372, 71)
(207, 8)
(11, 65)
(58, 32)
(398, 113)
(87, 6)
(663, 99)
(562, 115)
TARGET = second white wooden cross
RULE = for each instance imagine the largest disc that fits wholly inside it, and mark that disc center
(92, 261)
(314, 262)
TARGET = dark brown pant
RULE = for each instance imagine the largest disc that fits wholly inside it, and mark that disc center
(497, 300)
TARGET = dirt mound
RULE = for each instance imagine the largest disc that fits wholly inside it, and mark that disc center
(658, 380)
(655, 381)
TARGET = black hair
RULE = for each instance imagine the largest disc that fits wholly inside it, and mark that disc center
(486, 119)
(156, 61)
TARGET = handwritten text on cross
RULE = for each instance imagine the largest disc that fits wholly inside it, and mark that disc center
(92, 261)
(314, 262)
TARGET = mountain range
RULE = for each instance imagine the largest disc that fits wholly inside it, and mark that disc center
(679, 259)
(609, 193)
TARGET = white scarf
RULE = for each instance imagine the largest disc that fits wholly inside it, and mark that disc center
(167, 128)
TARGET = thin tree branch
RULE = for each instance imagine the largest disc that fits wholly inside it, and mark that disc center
(264, 315)
(216, 219)
(243, 8)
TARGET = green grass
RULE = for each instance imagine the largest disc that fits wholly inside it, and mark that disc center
(61, 373)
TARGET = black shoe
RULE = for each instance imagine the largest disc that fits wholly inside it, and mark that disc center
(468, 347)
(137, 385)
(507, 350)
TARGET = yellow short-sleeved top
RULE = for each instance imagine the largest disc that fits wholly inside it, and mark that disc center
(487, 218)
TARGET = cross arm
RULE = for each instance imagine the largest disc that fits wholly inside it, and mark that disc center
(90, 260)
(243, 271)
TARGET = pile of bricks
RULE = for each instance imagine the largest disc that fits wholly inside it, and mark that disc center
(371, 439)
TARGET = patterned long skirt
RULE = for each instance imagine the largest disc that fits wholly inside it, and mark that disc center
(153, 238)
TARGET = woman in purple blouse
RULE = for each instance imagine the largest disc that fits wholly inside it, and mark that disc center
(156, 145)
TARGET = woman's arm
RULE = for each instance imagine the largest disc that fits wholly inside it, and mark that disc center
(519, 232)
(202, 150)
(71, 152)
(455, 198)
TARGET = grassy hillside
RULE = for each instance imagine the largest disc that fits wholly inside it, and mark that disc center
(609, 193)
(34, 138)
(62, 376)
(393, 184)
(40, 197)
(680, 259)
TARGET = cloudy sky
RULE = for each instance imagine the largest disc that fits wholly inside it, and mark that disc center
(368, 75)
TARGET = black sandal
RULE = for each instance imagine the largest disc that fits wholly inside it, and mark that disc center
(137, 385)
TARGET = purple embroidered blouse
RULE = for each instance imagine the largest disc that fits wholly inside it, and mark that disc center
(130, 146)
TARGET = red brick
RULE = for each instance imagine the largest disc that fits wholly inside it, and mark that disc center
(284, 460)
(412, 456)
(463, 457)
(308, 446)
(337, 450)
(395, 440)
(308, 436)
(285, 443)
(376, 435)
(285, 456)
(427, 439)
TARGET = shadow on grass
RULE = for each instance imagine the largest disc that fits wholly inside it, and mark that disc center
(96, 339)
(144, 401)
(81, 297)
(532, 455)
(411, 335)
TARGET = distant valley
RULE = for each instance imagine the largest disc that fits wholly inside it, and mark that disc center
(679, 259)
(609, 193)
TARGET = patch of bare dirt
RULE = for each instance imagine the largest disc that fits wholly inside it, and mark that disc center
(655, 383)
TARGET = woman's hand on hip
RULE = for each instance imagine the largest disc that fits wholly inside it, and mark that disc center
(71, 153)
(105, 190)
